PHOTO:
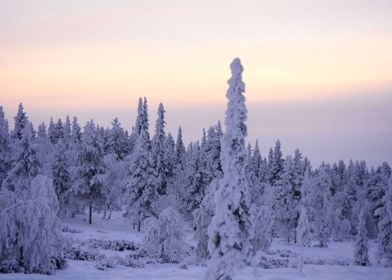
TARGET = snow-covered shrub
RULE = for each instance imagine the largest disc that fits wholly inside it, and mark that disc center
(164, 237)
(134, 260)
(105, 262)
(114, 245)
(29, 236)
(71, 230)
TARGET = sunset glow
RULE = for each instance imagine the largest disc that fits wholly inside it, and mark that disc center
(71, 57)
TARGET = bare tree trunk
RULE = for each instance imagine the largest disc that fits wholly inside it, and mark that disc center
(90, 213)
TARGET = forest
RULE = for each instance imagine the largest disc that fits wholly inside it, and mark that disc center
(230, 197)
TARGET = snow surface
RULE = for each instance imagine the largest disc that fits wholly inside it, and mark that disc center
(119, 228)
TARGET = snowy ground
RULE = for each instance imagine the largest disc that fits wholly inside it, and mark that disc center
(119, 229)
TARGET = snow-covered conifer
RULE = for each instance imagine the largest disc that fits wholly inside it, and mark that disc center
(384, 237)
(117, 141)
(158, 152)
(139, 184)
(5, 147)
(25, 167)
(276, 163)
(90, 165)
(361, 250)
(231, 230)
(61, 177)
(21, 121)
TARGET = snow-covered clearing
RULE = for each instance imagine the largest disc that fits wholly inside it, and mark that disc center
(118, 228)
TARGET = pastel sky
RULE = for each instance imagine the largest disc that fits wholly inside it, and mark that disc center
(318, 73)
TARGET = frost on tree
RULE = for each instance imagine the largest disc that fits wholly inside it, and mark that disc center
(25, 166)
(385, 228)
(230, 229)
(164, 237)
(201, 220)
(29, 237)
(5, 147)
(361, 250)
(140, 184)
(90, 166)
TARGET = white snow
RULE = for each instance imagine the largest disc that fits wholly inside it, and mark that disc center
(119, 228)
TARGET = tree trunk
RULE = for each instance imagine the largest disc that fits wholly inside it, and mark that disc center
(90, 213)
(138, 225)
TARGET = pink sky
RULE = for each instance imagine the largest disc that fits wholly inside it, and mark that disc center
(95, 58)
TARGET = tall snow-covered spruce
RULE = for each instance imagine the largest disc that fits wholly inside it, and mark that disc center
(231, 229)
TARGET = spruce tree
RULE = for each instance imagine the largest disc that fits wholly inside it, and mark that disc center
(158, 152)
(90, 166)
(384, 237)
(5, 147)
(361, 250)
(21, 121)
(140, 184)
(25, 167)
(231, 229)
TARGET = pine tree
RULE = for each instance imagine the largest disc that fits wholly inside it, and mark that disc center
(90, 166)
(61, 177)
(231, 229)
(285, 208)
(25, 167)
(158, 152)
(303, 227)
(384, 237)
(361, 252)
(21, 121)
(76, 133)
(5, 147)
(117, 141)
(180, 148)
(139, 184)
(276, 163)
(321, 205)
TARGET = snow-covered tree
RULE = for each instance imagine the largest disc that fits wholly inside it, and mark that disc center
(25, 167)
(180, 148)
(285, 203)
(29, 237)
(90, 166)
(276, 163)
(321, 207)
(5, 147)
(385, 228)
(76, 131)
(113, 183)
(263, 222)
(139, 184)
(117, 141)
(21, 121)
(231, 230)
(361, 250)
(202, 217)
(61, 177)
(303, 229)
(164, 237)
(158, 152)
